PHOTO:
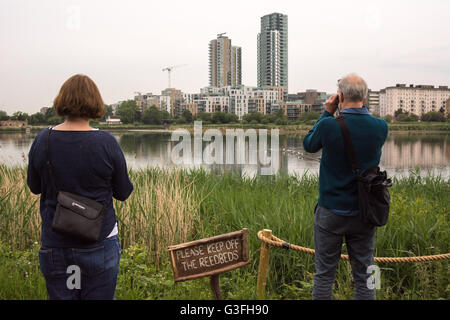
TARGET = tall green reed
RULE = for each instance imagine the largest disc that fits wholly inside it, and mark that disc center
(169, 207)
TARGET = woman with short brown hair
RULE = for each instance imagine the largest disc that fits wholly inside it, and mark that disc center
(79, 98)
(88, 163)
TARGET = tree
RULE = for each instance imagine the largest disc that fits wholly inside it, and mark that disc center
(54, 120)
(3, 115)
(187, 115)
(399, 112)
(274, 117)
(180, 120)
(51, 117)
(165, 116)
(310, 115)
(247, 117)
(388, 118)
(412, 117)
(281, 121)
(230, 117)
(401, 117)
(108, 112)
(152, 116)
(407, 117)
(19, 116)
(271, 118)
(36, 119)
(51, 112)
(128, 111)
(254, 117)
(265, 120)
(280, 114)
(218, 117)
(433, 116)
(203, 116)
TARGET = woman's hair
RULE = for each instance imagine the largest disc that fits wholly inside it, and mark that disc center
(79, 98)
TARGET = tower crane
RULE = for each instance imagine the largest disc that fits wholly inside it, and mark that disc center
(169, 70)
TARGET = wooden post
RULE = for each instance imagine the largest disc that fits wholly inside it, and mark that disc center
(215, 287)
(263, 267)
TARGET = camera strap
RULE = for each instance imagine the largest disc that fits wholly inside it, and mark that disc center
(49, 164)
(349, 149)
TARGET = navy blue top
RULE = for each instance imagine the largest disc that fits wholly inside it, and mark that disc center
(87, 163)
(337, 188)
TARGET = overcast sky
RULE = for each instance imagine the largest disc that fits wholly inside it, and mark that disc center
(124, 45)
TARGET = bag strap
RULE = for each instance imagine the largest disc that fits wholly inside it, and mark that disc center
(348, 143)
(49, 164)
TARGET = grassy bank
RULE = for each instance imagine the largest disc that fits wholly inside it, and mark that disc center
(173, 207)
(419, 126)
(397, 126)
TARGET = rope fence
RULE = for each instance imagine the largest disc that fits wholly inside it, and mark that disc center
(268, 239)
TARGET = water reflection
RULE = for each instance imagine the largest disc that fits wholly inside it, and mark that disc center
(401, 153)
(409, 151)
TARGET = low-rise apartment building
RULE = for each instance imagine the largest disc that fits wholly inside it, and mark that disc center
(373, 101)
(418, 99)
(292, 109)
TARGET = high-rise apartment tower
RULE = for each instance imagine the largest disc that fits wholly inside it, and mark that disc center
(273, 51)
(225, 63)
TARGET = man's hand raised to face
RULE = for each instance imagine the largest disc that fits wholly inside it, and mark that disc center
(332, 103)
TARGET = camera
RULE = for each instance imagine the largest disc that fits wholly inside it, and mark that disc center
(337, 101)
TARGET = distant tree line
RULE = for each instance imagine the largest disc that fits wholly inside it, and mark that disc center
(401, 115)
(48, 118)
(129, 113)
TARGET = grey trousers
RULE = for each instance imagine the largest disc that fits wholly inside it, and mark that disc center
(329, 231)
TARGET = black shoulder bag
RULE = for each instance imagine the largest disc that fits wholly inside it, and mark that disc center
(373, 184)
(78, 217)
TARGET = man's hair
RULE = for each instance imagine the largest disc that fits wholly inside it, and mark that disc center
(353, 87)
(79, 98)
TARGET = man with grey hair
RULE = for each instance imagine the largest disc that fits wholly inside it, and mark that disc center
(336, 216)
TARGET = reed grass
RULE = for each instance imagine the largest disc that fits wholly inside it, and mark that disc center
(20, 221)
(169, 207)
(160, 212)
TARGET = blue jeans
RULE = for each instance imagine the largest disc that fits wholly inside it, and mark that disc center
(329, 231)
(98, 268)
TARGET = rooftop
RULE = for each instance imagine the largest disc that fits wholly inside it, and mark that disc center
(420, 86)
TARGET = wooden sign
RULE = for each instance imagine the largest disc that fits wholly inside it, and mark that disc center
(210, 256)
